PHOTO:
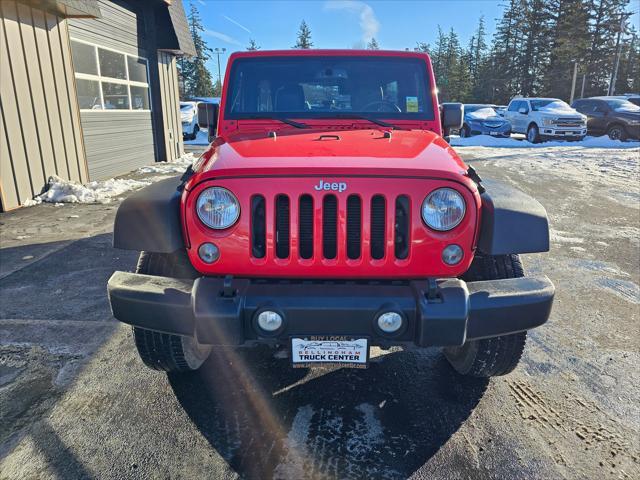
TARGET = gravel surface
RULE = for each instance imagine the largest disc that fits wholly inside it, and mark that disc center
(76, 402)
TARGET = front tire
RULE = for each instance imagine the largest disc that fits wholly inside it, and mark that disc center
(533, 134)
(496, 356)
(163, 351)
(617, 132)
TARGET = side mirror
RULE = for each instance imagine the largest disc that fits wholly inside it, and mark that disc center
(452, 117)
(523, 110)
(208, 115)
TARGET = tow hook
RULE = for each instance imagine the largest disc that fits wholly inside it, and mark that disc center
(432, 291)
(227, 290)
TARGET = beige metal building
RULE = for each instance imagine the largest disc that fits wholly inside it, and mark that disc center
(88, 89)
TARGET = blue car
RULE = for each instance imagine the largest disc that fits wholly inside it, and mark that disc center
(484, 120)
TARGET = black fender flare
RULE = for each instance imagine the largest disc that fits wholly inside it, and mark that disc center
(149, 219)
(512, 221)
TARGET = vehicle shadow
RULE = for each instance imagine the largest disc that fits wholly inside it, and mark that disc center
(268, 420)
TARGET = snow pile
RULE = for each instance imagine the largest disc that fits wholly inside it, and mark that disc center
(60, 191)
(179, 166)
(484, 113)
(202, 138)
(559, 108)
(65, 191)
(588, 142)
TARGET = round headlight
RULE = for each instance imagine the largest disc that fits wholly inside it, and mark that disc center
(218, 208)
(443, 209)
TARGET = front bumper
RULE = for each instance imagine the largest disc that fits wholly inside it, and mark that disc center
(563, 132)
(222, 311)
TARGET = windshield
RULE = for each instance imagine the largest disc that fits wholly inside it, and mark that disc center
(326, 86)
(620, 105)
(549, 104)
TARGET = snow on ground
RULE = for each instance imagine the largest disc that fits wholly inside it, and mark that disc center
(588, 142)
(61, 191)
(202, 138)
(179, 166)
(612, 167)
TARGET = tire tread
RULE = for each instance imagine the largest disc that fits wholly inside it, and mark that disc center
(163, 351)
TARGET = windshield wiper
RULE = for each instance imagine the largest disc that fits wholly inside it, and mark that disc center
(369, 119)
(280, 119)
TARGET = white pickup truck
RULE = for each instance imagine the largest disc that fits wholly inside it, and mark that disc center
(545, 118)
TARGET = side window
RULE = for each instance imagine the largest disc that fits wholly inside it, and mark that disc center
(109, 80)
(599, 107)
(524, 104)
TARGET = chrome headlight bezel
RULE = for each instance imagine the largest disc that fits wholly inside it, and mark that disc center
(438, 226)
(209, 193)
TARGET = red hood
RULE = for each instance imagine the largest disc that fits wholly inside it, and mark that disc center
(408, 153)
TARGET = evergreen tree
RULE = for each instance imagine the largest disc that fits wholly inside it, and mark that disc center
(217, 89)
(195, 75)
(423, 47)
(507, 43)
(534, 55)
(253, 46)
(629, 69)
(570, 45)
(304, 36)
(373, 45)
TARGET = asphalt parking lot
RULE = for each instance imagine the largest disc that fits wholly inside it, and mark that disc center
(76, 402)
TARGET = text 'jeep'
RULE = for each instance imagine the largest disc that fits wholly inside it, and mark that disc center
(330, 215)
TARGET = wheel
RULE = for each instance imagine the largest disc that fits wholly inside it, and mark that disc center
(163, 351)
(617, 132)
(465, 132)
(533, 134)
(491, 356)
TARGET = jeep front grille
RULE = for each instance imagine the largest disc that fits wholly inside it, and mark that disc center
(381, 213)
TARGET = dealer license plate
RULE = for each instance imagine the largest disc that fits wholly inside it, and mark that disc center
(323, 350)
(495, 134)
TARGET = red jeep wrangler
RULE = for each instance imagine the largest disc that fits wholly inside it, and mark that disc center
(329, 215)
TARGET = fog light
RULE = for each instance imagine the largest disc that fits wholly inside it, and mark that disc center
(390, 322)
(269, 321)
(452, 254)
(208, 252)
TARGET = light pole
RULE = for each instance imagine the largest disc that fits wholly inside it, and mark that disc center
(616, 63)
(218, 52)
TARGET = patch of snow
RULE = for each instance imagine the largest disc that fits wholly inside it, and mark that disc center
(202, 138)
(588, 142)
(558, 108)
(60, 191)
(559, 237)
(484, 113)
(293, 465)
(179, 166)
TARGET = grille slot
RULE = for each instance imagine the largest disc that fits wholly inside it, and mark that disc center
(401, 227)
(305, 226)
(283, 222)
(330, 226)
(354, 226)
(378, 225)
(258, 227)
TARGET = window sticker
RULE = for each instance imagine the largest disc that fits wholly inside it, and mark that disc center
(412, 104)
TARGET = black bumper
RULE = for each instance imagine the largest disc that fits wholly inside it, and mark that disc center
(224, 314)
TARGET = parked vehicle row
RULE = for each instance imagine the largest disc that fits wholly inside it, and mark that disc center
(615, 116)
(543, 119)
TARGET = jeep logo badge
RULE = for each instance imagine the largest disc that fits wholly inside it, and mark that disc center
(335, 186)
